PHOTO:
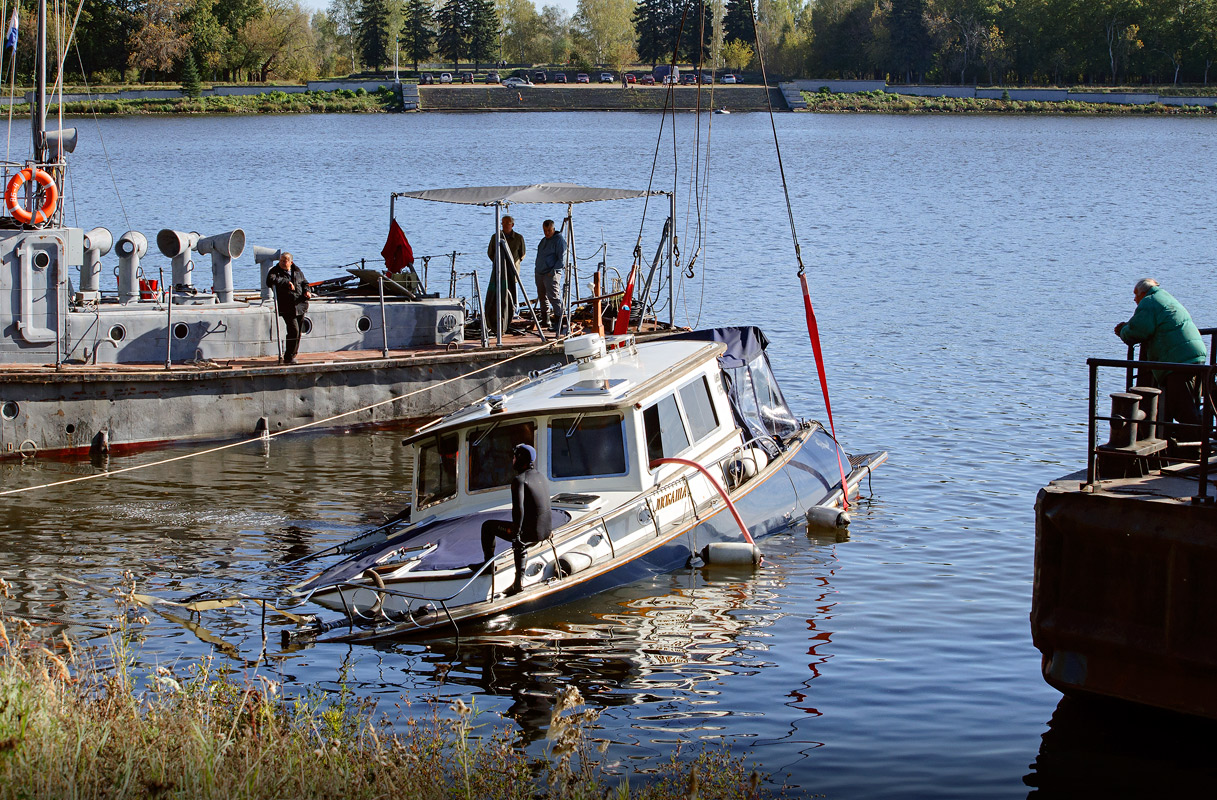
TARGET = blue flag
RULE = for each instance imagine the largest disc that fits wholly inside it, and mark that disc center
(10, 38)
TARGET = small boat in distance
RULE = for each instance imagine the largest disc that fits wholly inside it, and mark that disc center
(657, 455)
(722, 110)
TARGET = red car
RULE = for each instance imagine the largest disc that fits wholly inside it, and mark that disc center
(582, 78)
(629, 78)
(648, 80)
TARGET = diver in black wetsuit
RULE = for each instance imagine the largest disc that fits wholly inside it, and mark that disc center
(531, 516)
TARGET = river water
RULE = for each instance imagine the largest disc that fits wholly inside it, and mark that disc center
(962, 269)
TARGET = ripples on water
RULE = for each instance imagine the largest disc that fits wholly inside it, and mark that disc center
(962, 268)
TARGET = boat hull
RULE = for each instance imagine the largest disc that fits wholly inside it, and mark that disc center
(774, 501)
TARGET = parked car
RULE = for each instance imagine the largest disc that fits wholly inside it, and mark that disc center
(647, 80)
(582, 78)
(607, 77)
(688, 79)
(516, 82)
(707, 77)
(630, 78)
(466, 77)
(539, 76)
(492, 77)
(445, 77)
(559, 77)
(670, 80)
(728, 78)
(426, 79)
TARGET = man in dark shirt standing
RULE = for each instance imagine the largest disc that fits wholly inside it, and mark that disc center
(502, 292)
(531, 516)
(291, 296)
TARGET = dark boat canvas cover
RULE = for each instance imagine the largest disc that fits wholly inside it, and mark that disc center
(755, 396)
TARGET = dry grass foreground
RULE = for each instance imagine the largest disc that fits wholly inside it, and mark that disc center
(85, 723)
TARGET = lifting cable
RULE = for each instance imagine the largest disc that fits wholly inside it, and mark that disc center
(813, 327)
(268, 435)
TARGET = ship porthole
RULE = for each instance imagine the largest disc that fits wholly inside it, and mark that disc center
(181, 330)
(70, 429)
(306, 326)
(117, 333)
(10, 410)
(363, 325)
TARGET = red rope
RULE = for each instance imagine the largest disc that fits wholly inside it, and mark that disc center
(813, 330)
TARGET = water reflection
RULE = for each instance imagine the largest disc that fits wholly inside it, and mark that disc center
(1099, 748)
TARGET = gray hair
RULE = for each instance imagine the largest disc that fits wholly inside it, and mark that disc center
(508, 218)
(1144, 285)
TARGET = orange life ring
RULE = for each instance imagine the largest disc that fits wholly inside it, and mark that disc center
(50, 199)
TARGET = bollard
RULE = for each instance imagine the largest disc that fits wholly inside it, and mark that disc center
(1125, 416)
(1151, 400)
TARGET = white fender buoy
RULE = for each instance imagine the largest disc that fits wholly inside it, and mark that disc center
(827, 517)
(731, 553)
(574, 561)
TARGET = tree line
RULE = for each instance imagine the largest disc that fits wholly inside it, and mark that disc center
(1013, 42)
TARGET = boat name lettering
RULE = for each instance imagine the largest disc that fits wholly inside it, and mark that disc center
(665, 500)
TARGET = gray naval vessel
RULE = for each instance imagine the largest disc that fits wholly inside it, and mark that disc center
(82, 371)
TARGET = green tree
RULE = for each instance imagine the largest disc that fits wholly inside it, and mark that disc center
(372, 32)
(556, 34)
(737, 54)
(603, 26)
(191, 85)
(453, 31)
(483, 43)
(910, 41)
(344, 16)
(737, 21)
(418, 31)
(652, 21)
(523, 32)
(161, 41)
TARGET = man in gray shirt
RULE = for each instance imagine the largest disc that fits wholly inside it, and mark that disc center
(549, 273)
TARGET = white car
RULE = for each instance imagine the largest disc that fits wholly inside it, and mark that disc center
(728, 78)
(445, 77)
(516, 82)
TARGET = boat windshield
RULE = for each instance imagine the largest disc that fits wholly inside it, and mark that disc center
(436, 469)
(586, 446)
(664, 429)
(490, 452)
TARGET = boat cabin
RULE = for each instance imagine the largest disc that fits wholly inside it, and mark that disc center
(596, 424)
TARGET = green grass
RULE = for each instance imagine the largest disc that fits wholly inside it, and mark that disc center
(338, 101)
(89, 724)
(891, 103)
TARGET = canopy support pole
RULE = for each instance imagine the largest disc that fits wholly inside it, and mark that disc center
(671, 259)
(500, 289)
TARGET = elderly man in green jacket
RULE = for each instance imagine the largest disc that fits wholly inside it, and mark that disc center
(1165, 331)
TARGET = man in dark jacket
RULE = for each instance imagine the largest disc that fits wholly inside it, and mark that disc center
(502, 291)
(531, 515)
(291, 298)
(549, 274)
(1165, 331)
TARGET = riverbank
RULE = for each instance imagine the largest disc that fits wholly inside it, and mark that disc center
(85, 723)
(890, 103)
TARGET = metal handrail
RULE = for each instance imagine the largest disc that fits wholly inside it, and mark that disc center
(1205, 372)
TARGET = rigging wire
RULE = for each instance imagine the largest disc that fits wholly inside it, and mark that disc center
(12, 96)
(97, 122)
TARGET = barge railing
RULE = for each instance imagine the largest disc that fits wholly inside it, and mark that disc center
(1205, 374)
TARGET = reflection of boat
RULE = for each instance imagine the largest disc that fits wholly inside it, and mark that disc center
(638, 442)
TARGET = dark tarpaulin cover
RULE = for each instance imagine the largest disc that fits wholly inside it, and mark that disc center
(744, 343)
(458, 543)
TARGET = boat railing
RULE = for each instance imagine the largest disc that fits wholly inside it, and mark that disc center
(1140, 433)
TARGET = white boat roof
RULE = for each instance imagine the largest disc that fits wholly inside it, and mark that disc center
(619, 379)
(563, 193)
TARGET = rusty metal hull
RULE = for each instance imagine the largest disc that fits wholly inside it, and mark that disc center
(73, 410)
(1125, 593)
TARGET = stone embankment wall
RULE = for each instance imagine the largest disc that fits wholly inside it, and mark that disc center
(592, 98)
(1028, 95)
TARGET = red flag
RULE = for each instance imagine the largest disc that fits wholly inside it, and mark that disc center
(813, 330)
(397, 252)
(623, 316)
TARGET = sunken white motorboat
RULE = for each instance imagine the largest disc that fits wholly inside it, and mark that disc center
(657, 454)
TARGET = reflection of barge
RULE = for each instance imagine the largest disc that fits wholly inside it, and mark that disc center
(1125, 556)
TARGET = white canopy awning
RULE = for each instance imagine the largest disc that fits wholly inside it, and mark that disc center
(562, 193)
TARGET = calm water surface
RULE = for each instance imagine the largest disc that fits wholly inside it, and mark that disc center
(962, 269)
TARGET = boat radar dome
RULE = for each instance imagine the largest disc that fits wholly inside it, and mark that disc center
(587, 347)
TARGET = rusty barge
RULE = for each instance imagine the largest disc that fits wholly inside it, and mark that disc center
(1125, 589)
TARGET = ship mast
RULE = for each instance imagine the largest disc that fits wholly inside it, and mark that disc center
(38, 107)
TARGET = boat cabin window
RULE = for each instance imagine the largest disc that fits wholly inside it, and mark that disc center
(436, 469)
(490, 452)
(586, 446)
(699, 408)
(665, 431)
